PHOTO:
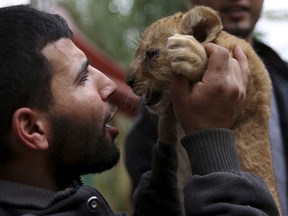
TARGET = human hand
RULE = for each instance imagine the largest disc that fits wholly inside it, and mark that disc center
(217, 99)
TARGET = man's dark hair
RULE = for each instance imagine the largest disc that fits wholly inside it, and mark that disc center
(25, 73)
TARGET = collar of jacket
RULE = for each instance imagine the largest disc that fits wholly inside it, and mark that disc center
(30, 196)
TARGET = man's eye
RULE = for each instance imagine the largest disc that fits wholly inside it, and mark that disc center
(85, 78)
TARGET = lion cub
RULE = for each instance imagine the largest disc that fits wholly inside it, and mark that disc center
(175, 43)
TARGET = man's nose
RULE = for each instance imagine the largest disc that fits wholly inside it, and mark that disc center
(107, 86)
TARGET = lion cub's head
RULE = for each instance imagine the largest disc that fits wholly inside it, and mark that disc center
(149, 73)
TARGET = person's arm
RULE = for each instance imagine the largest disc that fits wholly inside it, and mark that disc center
(157, 192)
(139, 144)
(206, 111)
(218, 186)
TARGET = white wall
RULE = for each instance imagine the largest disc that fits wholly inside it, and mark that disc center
(274, 27)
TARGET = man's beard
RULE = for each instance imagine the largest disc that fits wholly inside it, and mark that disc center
(79, 147)
(240, 31)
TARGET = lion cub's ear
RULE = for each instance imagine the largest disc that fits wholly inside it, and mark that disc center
(203, 23)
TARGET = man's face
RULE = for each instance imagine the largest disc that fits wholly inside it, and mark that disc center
(239, 16)
(80, 140)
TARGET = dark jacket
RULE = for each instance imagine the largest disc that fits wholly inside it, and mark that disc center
(217, 187)
(278, 70)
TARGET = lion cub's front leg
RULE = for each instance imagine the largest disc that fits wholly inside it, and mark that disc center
(187, 56)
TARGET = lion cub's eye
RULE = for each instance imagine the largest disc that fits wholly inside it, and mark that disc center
(152, 53)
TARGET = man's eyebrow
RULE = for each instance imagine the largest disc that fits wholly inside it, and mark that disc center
(82, 71)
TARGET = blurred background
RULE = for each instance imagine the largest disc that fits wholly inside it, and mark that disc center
(108, 31)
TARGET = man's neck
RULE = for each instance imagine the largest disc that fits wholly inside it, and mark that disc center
(249, 39)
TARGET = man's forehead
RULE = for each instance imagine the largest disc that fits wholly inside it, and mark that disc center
(63, 47)
(63, 55)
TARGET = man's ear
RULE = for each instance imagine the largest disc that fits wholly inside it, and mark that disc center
(203, 23)
(30, 127)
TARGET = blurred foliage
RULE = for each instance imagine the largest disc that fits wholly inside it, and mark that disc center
(115, 27)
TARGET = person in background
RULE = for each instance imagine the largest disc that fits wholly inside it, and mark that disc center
(54, 122)
(239, 18)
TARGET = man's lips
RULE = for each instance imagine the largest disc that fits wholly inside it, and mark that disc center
(235, 12)
(112, 130)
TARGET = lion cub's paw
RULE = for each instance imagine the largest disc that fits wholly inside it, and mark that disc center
(187, 56)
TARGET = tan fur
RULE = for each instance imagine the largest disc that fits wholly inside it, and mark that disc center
(176, 43)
